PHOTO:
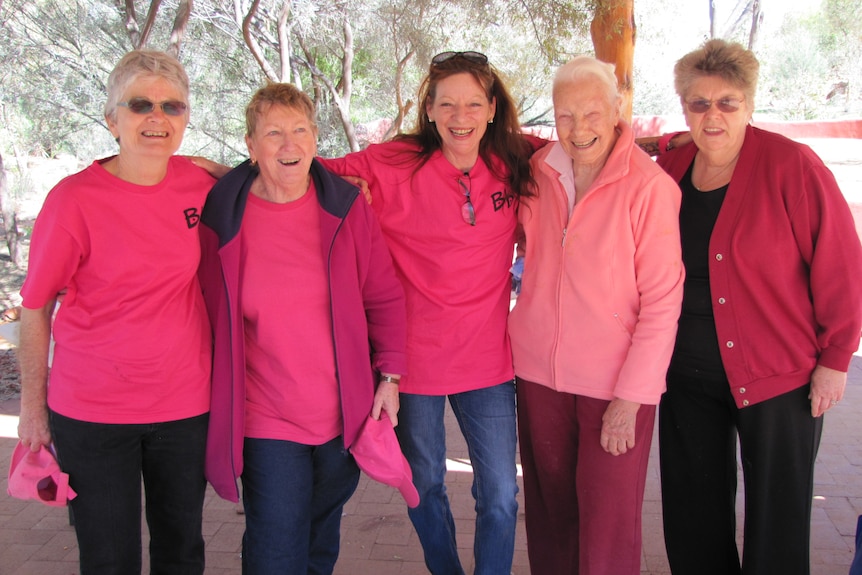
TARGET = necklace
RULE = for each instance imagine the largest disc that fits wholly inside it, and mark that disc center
(721, 177)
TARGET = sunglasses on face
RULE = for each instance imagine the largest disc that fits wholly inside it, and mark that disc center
(475, 57)
(467, 210)
(144, 106)
(726, 105)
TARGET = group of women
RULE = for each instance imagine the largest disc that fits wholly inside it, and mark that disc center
(323, 308)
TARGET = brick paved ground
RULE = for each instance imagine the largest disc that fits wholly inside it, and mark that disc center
(377, 537)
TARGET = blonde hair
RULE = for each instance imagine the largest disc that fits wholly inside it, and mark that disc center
(275, 93)
(717, 58)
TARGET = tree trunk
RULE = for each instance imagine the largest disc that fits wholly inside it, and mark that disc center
(403, 107)
(613, 32)
(756, 21)
(178, 32)
(10, 220)
(712, 19)
(252, 44)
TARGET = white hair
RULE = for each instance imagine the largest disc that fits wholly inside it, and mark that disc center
(586, 67)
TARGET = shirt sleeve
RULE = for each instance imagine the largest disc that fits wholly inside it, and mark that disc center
(57, 247)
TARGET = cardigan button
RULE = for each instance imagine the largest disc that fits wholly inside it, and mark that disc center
(729, 344)
(719, 257)
(744, 402)
(722, 301)
(741, 390)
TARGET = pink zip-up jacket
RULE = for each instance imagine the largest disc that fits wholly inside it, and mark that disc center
(369, 327)
(602, 289)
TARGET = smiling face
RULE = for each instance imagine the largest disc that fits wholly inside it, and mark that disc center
(586, 121)
(284, 143)
(461, 111)
(717, 133)
(153, 135)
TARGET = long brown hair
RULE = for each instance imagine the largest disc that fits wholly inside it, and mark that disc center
(502, 140)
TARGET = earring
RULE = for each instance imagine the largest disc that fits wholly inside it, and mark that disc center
(430, 121)
(253, 162)
(491, 121)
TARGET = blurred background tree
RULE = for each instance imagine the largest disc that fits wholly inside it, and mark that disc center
(361, 60)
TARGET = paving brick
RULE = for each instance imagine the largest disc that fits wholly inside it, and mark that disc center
(377, 537)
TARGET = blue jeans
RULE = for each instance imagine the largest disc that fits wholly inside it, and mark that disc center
(487, 420)
(105, 463)
(293, 496)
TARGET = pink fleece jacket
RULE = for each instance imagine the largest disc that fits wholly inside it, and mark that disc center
(602, 289)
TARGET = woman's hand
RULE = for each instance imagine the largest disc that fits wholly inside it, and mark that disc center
(618, 426)
(386, 399)
(361, 184)
(215, 169)
(33, 429)
(827, 389)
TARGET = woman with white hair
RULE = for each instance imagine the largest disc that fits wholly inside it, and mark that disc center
(593, 329)
(129, 391)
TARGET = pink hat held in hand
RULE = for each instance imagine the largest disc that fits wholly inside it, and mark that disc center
(378, 454)
(36, 475)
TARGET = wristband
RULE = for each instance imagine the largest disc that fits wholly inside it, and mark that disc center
(389, 379)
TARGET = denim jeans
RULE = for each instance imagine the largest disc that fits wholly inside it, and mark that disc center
(487, 420)
(105, 463)
(293, 496)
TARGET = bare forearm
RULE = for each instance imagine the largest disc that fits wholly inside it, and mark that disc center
(33, 358)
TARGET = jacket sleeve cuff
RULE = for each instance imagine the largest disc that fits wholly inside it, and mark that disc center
(835, 358)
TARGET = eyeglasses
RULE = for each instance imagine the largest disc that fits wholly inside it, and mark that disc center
(475, 57)
(726, 105)
(144, 106)
(468, 212)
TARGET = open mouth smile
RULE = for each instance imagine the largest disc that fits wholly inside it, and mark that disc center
(586, 144)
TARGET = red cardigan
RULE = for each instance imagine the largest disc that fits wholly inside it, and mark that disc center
(785, 265)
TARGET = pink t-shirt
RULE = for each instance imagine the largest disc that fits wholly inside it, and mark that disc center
(291, 388)
(132, 337)
(455, 276)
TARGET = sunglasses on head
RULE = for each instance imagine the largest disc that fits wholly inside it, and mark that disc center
(144, 106)
(701, 106)
(475, 57)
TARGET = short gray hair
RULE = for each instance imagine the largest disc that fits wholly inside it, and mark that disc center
(583, 67)
(716, 58)
(139, 63)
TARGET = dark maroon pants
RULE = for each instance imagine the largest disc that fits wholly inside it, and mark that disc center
(582, 505)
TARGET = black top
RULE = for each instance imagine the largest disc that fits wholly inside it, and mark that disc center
(696, 352)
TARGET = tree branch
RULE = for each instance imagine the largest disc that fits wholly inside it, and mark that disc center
(184, 10)
(252, 44)
(148, 25)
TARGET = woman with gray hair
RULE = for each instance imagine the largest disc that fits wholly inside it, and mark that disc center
(129, 385)
(593, 329)
(770, 319)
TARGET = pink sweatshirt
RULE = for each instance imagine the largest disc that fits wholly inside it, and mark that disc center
(602, 289)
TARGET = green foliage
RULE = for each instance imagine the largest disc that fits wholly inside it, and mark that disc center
(55, 56)
(810, 70)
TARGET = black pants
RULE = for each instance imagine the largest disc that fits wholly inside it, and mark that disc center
(698, 427)
(105, 464)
